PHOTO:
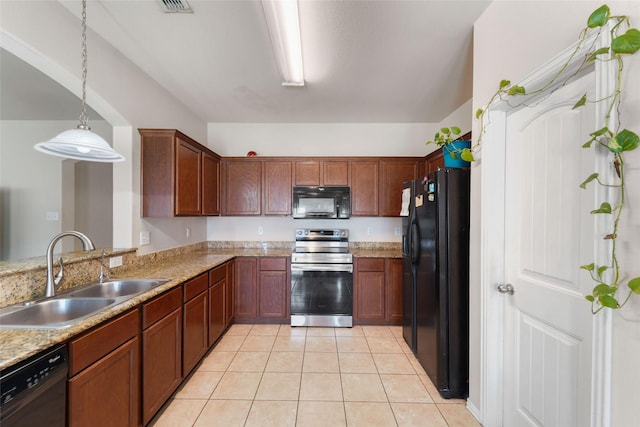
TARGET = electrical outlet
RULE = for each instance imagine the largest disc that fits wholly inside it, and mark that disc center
(188, 232)
(260, 231)
(368, 231)
(53, 216)
(145, 238)
(397, 231)
(115, 261)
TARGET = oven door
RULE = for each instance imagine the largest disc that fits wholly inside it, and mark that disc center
(321, 290)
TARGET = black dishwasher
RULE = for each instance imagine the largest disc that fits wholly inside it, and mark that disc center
(34, 391)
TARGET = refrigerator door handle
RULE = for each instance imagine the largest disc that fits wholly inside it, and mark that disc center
(414, 241)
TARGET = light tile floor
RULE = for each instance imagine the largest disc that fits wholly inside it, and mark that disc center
(275, 375)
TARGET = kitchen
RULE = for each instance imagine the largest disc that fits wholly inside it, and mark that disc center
(153, 108)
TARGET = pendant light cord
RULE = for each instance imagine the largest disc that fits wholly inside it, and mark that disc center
(83, 115)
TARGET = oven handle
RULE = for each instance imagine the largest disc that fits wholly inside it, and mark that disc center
(322, 267)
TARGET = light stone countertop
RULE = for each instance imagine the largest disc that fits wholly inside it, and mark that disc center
(19, 344)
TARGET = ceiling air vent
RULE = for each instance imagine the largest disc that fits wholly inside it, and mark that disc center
(176, 6)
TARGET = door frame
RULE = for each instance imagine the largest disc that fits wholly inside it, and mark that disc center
(492, 168)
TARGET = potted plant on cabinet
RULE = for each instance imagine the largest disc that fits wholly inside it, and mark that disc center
(456, 152)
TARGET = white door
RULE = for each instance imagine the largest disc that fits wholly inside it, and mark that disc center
(548, 235)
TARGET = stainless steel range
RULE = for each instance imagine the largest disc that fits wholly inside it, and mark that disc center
(322, 278)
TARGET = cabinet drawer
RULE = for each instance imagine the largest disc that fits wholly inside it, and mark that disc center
(159, 307)
(370, 264)
(195, 286)
(276, 264)
(217, 274)
(92, 346)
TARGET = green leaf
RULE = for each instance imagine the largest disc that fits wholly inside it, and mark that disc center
(467, 155)
(588, 180)
(588, 143)
(601, 270)
(604, 208)
(445, 131)
(594, 55)
(634, 285)
(517, 90)
(479, 112)
(504, 83)
(455, 130)
(603, 289)
(608, 301)
(588, 267)
(600, 132)
(599, 17)
(628, 43)
(580, 103)
(625, 140)
(589, 298)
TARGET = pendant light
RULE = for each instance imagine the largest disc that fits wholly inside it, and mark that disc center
(81, 143)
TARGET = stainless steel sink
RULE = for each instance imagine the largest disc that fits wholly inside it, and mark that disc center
(117, 288)
(54, 313)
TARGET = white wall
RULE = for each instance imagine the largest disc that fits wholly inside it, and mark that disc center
(117, 90)
(506, 46)
(32, 184)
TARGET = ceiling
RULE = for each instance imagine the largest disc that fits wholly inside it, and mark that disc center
(365, 61)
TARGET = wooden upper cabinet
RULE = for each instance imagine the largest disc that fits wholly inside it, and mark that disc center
(307, 172)
(176, 180)
(364, 187)
(321, 172)
(188, 193)
(210, 184)
(433, 161)
(277, 187)
(242, 187)
(335, 172)
(393, 172)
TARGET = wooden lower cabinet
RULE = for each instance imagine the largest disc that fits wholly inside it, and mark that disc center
(104, 369)
(261, 289)
(161, 351)
(378, 291)
(195, 322)
(229, 292)
(393, 292)
(369, 290)
(217, 318)
(246, 288)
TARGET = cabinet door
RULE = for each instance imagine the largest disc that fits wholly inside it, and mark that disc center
(392, 174)
(107, 393)
(364, 188)
(188, 179)
(307, 172)
(242, 183)
(335, 172)
(217, 317)
(229, 293)
(161, 362)
(370, 289)
(273, 294)
(195, 333)
(277, 187)
(246, 284)
(434, 161)
(210, 185)
(393, 285)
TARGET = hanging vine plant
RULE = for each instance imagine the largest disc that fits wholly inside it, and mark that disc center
(608, 279)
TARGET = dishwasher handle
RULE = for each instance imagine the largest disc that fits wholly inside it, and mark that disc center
(322, 267)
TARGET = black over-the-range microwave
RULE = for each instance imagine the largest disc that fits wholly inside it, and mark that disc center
(321, 202)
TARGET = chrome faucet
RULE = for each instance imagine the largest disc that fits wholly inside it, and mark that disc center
(87, 245)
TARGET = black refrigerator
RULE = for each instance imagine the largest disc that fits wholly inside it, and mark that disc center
(435, 245)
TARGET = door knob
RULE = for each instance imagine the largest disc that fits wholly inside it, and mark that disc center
(506, 289)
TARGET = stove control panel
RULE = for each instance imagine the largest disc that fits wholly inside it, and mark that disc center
(320, 234)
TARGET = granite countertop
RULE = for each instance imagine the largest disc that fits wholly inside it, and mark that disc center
(19, 344)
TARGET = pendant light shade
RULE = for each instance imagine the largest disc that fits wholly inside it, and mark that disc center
(81, 143)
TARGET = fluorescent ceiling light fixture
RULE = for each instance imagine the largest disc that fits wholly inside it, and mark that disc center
(81, 143)
(284, 29)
